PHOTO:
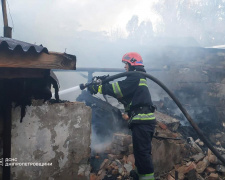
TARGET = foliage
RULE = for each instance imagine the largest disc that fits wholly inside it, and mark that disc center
(202, 19)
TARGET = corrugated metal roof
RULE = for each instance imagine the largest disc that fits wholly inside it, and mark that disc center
(15, 45)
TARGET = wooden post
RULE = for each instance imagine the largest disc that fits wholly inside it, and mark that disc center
(6, 108)
(4, 12)
(7, 29)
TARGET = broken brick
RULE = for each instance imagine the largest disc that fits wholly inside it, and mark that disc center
(210, 170)
(101, 174)
(162, 125)
(131, 159)
(115, 151)
(198, 157)
(128, 166)
(199, 142)
(213, 159)
(171, 123)
(124, 160)
(115, 171)
(191, 141)
(186, 168)
(191, 166)
(192, 175)
(213, 176)
(200, 177)
(120, 148)
(181, 176)
(105, 163)
(93, 176)
(169, 177)
(202, 165)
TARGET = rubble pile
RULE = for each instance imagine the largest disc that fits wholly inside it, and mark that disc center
(120, 159)
(173, 156)
(199, 167)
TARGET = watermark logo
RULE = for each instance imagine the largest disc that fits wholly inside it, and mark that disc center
(14, 162)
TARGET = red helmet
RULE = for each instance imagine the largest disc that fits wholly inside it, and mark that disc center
(133, 58)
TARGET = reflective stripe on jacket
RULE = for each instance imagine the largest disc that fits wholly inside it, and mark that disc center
(133, 93)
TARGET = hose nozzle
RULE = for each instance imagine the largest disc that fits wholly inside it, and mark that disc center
(82, 86)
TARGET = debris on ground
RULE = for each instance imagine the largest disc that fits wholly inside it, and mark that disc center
(194, 160)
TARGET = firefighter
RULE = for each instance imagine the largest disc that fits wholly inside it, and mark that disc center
(134, 94)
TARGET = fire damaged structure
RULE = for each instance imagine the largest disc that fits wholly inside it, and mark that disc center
(52, 139)
(195, 75)
(27, 121)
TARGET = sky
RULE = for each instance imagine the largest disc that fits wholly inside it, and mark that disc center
(52, 21)
(76, 27)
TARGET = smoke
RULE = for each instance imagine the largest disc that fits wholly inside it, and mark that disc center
(99, 143)
(100, 36)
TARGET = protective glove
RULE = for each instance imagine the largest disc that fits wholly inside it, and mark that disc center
(94, 89)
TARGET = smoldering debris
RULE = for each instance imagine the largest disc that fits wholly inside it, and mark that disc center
(195, 160)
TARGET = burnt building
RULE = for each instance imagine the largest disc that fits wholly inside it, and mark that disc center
(34, 131)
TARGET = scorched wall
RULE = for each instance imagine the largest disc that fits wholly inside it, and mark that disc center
(56, 134)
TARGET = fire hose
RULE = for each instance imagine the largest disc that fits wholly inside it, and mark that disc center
(183, 110)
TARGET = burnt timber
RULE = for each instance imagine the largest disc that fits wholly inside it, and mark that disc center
(24, 74)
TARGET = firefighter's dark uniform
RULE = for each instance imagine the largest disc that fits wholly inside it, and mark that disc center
(134, 94)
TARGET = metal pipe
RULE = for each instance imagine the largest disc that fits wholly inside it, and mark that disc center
(82, 69)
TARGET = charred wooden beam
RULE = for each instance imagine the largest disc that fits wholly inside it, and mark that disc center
(53, 60)
(12, 73)
(88, 69)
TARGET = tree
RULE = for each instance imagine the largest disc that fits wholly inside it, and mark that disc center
(140, 33)
(132, 25)
(203, 19)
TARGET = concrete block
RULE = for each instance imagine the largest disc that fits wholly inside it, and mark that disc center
(115, 152)
(167, 153)
(58, 134)
(170, 122)
(122, 139)
(119, 147)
